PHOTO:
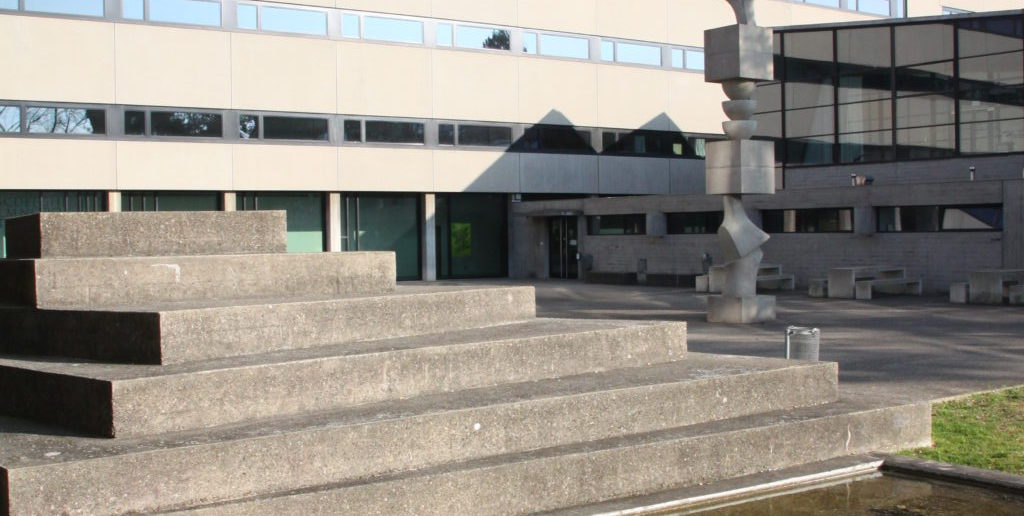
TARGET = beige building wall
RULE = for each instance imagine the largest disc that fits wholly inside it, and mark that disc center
(42, 164)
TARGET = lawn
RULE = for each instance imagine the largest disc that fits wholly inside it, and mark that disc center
(984, 431)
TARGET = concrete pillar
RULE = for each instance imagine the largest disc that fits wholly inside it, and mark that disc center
(429, 249)
(228, 201)
(114, 201)
(333, 222)
(1013, 224)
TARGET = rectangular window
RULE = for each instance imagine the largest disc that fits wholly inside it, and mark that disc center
(378, 131)
(135, 123)
(694, 223)
(649, 143)
(564, 46)
(10, 119)
(444, 34)
(530, 42)
(446, 134)
(384, 222)
(638, 54)
(880, 7)
(76, 7)
(65, 120)
(810, 220)
(632, 224)
(485, 135)
(482, 37)
(248, 17)
(186, 123)
(132, 9)
(694, 59)
(248, 127)
(9, 4)
(677, 58)
(555, 138)
(296, 21)
(923, 219)
(353, 130)
(607, 50)
(350, 25)
(295, 128)
(393, 29)
(193, 12)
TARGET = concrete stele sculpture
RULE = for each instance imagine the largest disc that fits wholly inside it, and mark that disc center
(737, 57)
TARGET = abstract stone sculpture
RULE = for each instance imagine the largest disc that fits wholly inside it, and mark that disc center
(739, 56)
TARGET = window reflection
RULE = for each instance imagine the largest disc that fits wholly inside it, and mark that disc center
(298, 21)
(295, 128)
(133, 9)
(917, 219)
(695, 59)
(186, 123)
(76, 7)
(529, 42)
(65, 120)
(694, 223)
(135, 123)
(446, 134)
(195, 12)
(485, 135)
(632, 224)
(378, 131)
(482, 37)
(9, 4)
(247, 17)
(350, 25)
(444, 34)
(638, 54)
(392, 29)
(353, 130)
(10, 119)
(564, 46)
(248, 127)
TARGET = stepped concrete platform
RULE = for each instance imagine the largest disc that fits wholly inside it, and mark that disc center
(593, 471)
(129, 400)
(120, 281)
(170, 333)
(99, 234)
(63, 473)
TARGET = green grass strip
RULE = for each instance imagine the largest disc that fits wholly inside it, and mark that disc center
(984, 431)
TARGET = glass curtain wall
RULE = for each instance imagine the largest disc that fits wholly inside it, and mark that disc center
(472, 235)
(384, 222)
(170, 201)
(19, 203)
(305, 212)
(899, 92)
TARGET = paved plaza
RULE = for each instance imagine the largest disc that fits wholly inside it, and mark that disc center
(912, 348)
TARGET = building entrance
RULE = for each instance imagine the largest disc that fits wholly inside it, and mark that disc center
(563, 243)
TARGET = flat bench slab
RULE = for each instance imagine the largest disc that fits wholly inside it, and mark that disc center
(1017, 295)
(991, 286)
(958, 292)
(818, 287)
(98, 234)
(865, 288)
(841, 280)
(776, 282)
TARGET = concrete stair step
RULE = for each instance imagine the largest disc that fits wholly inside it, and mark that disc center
(94, 234)
(107, 282)
(170, 333)
(47, 472)
(130, 400)
(589, 472)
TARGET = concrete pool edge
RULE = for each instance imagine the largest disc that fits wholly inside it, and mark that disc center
(976, 477)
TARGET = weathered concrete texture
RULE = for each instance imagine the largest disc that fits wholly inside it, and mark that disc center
(60, 474)
(175, 333)
(741, 310)
(151, 399)
(97, 234)
(106, 282)
(738, 51)
(740, 167)
(590, 472)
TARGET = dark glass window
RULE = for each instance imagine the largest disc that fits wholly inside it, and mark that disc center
(248, 127)
(353, 131)
(384, 222)
(924, 43)
(865, 147)
(865, 62)
(916, 219)
(135, 123)
(809, 151)
(554, 138)
(485, 135)
(446, 134)
(809, 69)
(186, 123)
(472, 235)
(698, 222)
(632, 224)
(809, 220)
(295, 128)
(56, 120)
(394, 132)
(651, 143)
(925, 142)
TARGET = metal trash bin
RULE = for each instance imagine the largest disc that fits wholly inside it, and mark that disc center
(802, 343)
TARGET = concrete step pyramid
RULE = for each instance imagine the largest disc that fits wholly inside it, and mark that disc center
(172, 372)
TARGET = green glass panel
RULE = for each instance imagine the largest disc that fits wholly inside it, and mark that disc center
(305, 216)
(472, 235)
(389, 223)
(187, 202)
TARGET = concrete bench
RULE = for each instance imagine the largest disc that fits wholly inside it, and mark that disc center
(865, 288)
(841, 280)
(776, 282)
(1017, 295)
(701, 283)
(958, 292)
(818, 287)
(991, 286)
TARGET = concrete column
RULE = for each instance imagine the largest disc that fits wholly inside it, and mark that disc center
(333, 222)
(1013, 224)
(429, 249)
(114, 201)
(228, 201)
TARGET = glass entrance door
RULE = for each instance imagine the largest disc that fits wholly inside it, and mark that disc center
(563, 243)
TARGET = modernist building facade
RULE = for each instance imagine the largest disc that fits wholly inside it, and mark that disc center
(490, 138)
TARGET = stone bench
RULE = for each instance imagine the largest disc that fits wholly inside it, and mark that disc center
(776, 282)
(1016, 295)
(865, 288)
(818, 287)
(991, 286)
(958, 292)
(842, 280)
